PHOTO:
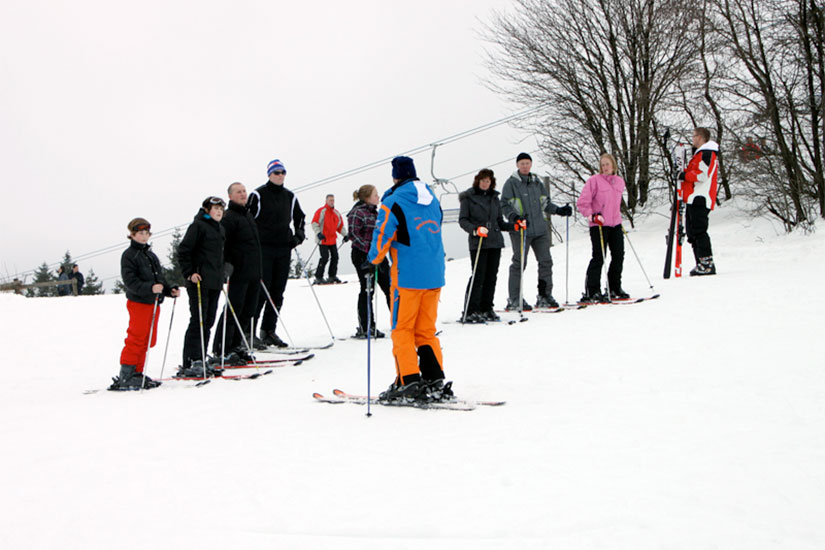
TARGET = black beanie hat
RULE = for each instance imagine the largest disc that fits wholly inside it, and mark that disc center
(523, 156)
(403, 168)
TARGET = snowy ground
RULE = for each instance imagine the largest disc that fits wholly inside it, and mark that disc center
(692, 421)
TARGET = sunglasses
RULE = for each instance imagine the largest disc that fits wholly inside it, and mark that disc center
(279, 172)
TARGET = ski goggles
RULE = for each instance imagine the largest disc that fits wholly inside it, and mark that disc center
(141, 227)
(215, 200)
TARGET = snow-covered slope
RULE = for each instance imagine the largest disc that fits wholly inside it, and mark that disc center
(692, 421)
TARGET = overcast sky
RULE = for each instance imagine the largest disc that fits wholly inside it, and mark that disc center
(110, 111)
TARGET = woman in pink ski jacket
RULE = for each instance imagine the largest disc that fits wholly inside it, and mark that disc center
(601, 202)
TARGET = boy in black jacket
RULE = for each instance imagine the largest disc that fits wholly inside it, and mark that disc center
(142, 276)
(200, 254)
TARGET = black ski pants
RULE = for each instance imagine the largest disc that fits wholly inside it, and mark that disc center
(358, 258)
(614, 241)
(192, 350)
(696, 228)
(484, 283)
(276, 272)
(329, 253)
(243, 295)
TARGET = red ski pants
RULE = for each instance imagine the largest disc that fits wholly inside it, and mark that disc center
(137, 335)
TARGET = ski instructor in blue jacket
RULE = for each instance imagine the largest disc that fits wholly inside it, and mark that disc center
(408, 229)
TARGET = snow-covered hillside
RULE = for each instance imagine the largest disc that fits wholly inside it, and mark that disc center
(692, 421)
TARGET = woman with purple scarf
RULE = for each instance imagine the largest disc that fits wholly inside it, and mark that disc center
(600, 202)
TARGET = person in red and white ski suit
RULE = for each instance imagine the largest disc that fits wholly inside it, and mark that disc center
(699, 194)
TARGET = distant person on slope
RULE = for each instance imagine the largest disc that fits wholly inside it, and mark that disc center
(142, 277)
(200, 254)
(276, 211)
(600, 203)
(361, 221)
(699, 194)
(326, 224)
(525, 203)
(64, 289)
(78, 276)
(480, 216)
(408, 228)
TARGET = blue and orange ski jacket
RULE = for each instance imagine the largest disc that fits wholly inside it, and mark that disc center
(408, 228)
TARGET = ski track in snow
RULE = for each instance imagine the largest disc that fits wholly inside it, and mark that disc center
(691, 421)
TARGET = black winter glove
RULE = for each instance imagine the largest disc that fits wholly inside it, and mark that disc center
(565, 210)
(346, 238)
(228, 270)
(294, 241)
(367, 267)
(321, 237)
(681, 176)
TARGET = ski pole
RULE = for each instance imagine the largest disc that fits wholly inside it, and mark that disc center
(472, 280)
(567, 262)
(238, 324)
(149, 344)
(604, 264)
(168, 336)
(200, 316)
(369, 340)
(223, 327)
(637, 257)
(277, 314)
(521, 278)
(310, 254)
(315, 295)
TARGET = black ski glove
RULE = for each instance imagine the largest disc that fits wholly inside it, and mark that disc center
(345, 239)
(321, 237)
(565, 210)
(228, 270)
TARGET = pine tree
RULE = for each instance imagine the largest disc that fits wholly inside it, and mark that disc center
(173, 274)
(119, 287)
(67, 262)
(42, 275)
(93, 285)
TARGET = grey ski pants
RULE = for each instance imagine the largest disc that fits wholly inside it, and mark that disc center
(541, 249)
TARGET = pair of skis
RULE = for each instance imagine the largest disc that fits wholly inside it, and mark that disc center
(341, 397)
(676, 227)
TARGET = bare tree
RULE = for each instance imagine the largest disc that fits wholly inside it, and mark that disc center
(605, 70)
(773, 98)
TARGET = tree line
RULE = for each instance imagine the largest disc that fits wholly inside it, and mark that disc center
(617, 76)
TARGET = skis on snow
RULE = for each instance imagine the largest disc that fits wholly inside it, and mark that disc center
(341, 396)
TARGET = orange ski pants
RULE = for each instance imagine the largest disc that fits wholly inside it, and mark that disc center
(414, 313)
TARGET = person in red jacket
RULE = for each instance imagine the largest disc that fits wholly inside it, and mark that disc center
(327, 223)
(699, 194)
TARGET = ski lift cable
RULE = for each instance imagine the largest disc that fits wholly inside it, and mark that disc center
(318, 183)
(415, 150)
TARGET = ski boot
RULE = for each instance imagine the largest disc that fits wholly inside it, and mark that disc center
(546, 301)
(407, 393)
(272, 340)
(437, 391)
(513, 306)
(705, 266)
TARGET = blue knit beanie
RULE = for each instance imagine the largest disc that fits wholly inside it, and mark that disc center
(403, 168)
(275, 165)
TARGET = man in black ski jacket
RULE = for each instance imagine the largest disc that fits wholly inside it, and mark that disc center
(242, 251)
(276, 211)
